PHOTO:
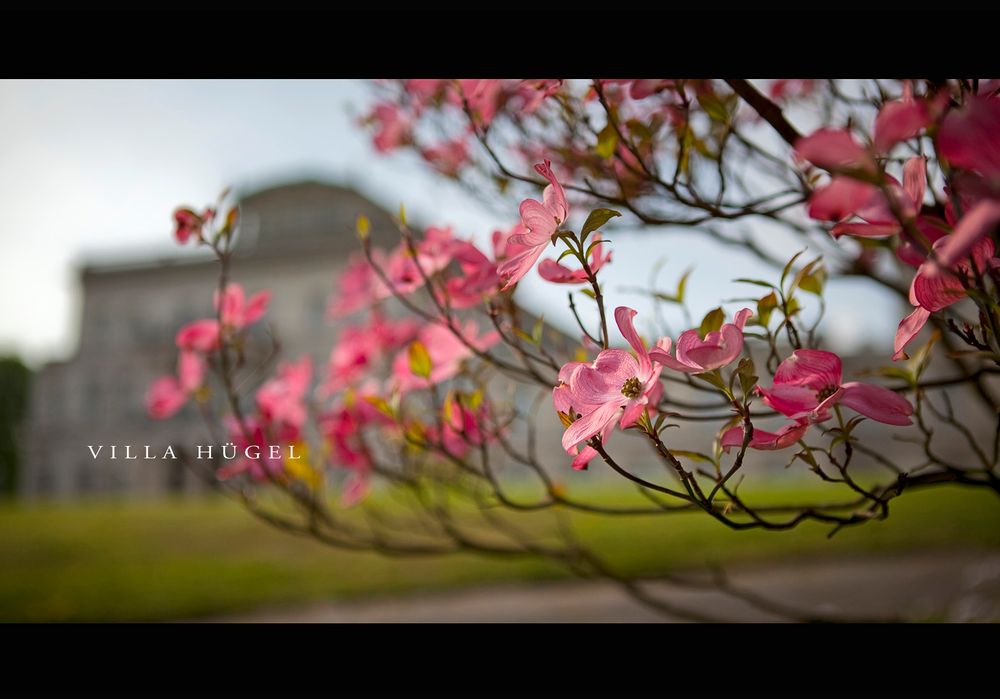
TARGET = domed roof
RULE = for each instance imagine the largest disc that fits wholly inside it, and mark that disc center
(308, 215)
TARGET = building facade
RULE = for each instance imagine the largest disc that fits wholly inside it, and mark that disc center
(294, 239)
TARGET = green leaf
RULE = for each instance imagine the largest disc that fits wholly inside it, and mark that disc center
(806, 455)
(474, 399)
(711, 322)
(523, 335)
(588, 292)
(639, 130)
(381, 405)
(596, 219)
(758, 282)
(922, 357)
(714, 107)
(792, 307)
(765, 307)
(788, 267)
(607, 139)
(692, 455)
(363, 226)
(895, 372)
(682, 284)
(713, 377)
(536, 331)
(593, 244)
(420, 360)
(746, 372)
(813, 282)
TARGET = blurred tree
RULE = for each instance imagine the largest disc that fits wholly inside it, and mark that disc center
(15, 379)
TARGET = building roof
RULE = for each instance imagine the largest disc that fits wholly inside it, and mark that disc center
(300, 217)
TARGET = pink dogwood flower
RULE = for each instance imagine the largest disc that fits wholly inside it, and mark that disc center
(791, 88)
(873, 208)
(262, 436)
(483, 97)
(541, 219)
(835, 150)
(696, 356)
(360, 347)
(448, 157)
(535, 92)
(978, 222)
(933, 290)
(969, 138)
(479, 278)
(808, 384)
(358, 285)
(393, 127)
(902, 119)
(199, 336)
(557, 273)
(342, 428)
(461, 427)
(616, 386)
(446, 351)
(406, 273)
(188, 224)
(281, 400)
(168, 394)
(845, 197)
(236, 311)
(765, 441)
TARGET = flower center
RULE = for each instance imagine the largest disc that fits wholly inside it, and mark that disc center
(826, 393)
(632, 388)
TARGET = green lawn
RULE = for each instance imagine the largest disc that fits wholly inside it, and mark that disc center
(169, 560)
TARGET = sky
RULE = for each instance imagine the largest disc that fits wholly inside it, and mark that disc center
(91, 171)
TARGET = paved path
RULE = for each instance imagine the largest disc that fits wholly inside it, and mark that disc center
(957, 586)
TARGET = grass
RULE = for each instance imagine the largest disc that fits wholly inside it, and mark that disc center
(171, 560)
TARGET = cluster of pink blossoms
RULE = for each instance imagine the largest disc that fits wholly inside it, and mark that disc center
(618, 387)
(197, 341)
(864, 201)
(394, 124)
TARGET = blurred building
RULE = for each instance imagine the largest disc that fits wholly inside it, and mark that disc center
(294, 239)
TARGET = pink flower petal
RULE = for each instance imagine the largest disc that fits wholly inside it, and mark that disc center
(552, 271)
(815, 369)
(908, 329)
(231, 310)
(164, 398)
(841, 198)
(623, 317)
(979, 221)
(878, 403)
(583, 459)
(834, 149)
(256, 307)
(915, 180)
(865, 230)
(765, 441)
(661, 355)
(792, 401)
(200, 336)
(540, 222)
(515, 268)
(970, 137)
(589, 425)
(191, 371)
(898, 121)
